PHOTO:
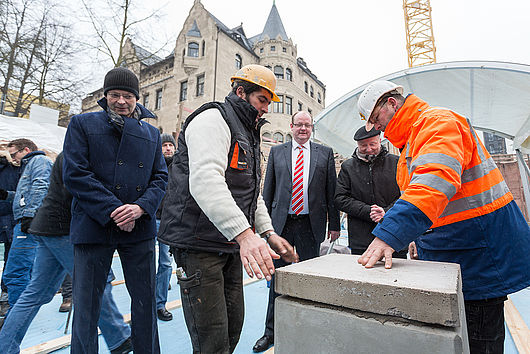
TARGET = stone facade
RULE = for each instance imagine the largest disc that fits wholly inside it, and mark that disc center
(207, 53)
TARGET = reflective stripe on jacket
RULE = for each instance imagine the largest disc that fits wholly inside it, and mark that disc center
(444, 169)
(455, 203)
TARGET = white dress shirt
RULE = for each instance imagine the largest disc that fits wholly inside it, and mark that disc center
(307, 158)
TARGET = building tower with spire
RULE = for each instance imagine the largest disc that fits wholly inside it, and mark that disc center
(207, 53)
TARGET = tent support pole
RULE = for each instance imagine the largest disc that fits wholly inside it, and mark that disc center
(524, 171)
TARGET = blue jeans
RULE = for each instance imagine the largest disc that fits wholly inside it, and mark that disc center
(54, 259)
(18, 268)
(163, 274)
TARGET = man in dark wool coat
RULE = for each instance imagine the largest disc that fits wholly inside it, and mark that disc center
(115, 170)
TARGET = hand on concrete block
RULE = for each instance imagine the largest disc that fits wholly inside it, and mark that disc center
(375, 252)
(413, 251)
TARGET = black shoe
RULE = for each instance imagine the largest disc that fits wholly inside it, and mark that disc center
(124, 348)
(263, 344)
(164, 315)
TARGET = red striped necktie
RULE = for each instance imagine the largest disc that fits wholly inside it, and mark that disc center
(297, 202)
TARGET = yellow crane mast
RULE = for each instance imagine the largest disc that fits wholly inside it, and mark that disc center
(418, 28)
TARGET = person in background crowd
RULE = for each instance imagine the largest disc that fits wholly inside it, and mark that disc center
(163, 274)
(9, 175)
(366, 189)
(27, 198)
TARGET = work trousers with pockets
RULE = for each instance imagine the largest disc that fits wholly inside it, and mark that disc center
(485, 325)
(212, 299)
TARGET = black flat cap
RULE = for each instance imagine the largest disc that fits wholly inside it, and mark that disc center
(362, 134)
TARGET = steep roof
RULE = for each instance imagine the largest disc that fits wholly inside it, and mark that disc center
(145, 57)
(237, 33)
(273, 27)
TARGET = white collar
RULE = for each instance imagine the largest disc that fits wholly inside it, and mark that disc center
(296, 145)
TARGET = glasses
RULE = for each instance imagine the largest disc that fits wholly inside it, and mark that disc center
(299, 125)
(15, 153)
(117, 96)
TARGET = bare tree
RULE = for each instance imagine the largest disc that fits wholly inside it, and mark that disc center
(38, 52)
(113, 21)
(12, 42)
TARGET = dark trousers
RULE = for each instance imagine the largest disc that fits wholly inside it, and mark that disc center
(7, 246)
(485, 325)
(297, 231)
(212, 299)
(66, 287)
(91, 267)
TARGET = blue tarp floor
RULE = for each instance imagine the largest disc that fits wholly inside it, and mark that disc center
(46, 333)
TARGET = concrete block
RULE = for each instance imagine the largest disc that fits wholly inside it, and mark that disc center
(308, 327)
(429, 292)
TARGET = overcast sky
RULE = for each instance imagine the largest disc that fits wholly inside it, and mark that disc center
(348, 43)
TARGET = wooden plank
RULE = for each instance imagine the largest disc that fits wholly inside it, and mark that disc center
(64, 341)
(270, 350)
(517, 327)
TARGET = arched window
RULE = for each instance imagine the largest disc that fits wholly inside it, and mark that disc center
(278, 106)
(278, 71)
(311, 91)
(288, 74)
(288, 137)
(319, 97)
(193, 49)
(239, 61)
(305, 86)
(266, 137)
(278, 137)
(203, 48)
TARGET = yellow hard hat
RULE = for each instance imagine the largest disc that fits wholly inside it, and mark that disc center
(259, 75)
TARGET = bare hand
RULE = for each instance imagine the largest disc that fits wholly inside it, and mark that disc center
(376, 251)
(283, 248)
(413, 251)
(333, 235)
(127, 227)
(126, 213)
(255, 255)
(376, 213)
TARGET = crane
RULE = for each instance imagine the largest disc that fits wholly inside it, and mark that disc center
(418, 27)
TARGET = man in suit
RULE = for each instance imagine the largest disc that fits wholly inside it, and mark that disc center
(298, 192)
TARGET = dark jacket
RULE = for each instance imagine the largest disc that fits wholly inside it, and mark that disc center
(169, 160)
(53, 217)
(105, 168)
(9, 175)
(278, 188)
(184, 225)
(360, 185)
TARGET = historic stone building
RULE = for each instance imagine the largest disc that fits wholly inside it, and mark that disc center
(206, 55)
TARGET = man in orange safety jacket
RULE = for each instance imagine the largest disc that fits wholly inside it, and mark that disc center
(455, 205)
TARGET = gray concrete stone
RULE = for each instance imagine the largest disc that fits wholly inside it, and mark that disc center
(428, 292)
(307, 327)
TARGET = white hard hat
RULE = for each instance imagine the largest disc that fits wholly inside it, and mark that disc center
(372, 93)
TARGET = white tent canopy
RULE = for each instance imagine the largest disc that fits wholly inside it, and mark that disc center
(45, 136)
(494, 95)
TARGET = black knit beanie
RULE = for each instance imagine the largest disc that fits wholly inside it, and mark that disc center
(121, 79)
(168, 138)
